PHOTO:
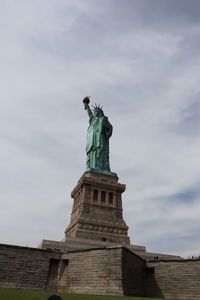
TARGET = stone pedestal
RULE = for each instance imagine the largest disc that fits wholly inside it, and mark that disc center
(97, 209)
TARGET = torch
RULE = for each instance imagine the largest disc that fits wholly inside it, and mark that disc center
(86, 101)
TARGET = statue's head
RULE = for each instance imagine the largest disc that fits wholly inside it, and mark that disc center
(97, 110)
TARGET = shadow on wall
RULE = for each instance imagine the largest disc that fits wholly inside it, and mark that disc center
(151, 287)
(133, 274)
(137, 279)
(56, 270)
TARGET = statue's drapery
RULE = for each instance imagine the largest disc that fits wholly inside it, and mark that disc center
(98, 134)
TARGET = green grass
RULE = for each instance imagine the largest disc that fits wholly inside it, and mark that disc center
(11, 294)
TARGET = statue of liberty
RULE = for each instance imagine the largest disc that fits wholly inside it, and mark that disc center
(98, 134)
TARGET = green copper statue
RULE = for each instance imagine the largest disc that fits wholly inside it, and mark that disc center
(98, 134)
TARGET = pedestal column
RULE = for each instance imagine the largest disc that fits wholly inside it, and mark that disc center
(97, 209)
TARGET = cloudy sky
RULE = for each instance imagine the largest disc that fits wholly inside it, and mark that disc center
(140, 59)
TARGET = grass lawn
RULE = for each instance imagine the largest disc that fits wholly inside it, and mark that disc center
(10, 294)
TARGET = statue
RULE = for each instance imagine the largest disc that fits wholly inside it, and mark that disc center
(98, 134)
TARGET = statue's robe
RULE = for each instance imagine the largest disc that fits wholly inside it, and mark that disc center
(98, 134)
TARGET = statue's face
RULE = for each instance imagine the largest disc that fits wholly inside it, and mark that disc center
(97, 112)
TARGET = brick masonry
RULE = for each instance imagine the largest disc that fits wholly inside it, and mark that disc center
(105, 271)
(97, 209)
(173, 279)
(24, 268)
(94, 270)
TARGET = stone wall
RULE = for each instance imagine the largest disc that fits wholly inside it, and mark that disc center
(70, 243)
(133, 274)
(93, 271)
(173, 279)
(107, 271)
(24, 268)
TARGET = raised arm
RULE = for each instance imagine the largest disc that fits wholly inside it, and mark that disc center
(86, 101)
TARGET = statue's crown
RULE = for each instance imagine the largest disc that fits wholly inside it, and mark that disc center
(95, 106)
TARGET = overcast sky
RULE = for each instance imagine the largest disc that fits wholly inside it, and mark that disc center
(140, 59)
